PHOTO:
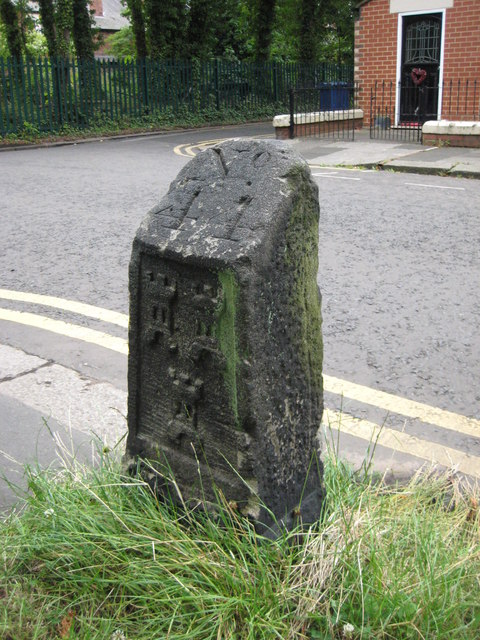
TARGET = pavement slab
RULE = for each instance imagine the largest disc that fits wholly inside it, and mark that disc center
(97, 409)
(436, 160)
(395, 155)
(14, 362)
(352, 152)
(28, 440)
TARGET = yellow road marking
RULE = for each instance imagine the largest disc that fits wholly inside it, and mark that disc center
(66, 329)
(409, 408)
(187, 149)
(362, 429)
(113, 317)
(403, 442)
(184, 150)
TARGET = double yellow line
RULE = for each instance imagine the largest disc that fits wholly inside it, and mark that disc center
(363, 429)
(190, 150)
(68, 329)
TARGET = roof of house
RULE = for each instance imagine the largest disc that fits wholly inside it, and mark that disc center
(112, 19)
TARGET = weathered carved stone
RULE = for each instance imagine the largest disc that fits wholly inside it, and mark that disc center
(225, 364)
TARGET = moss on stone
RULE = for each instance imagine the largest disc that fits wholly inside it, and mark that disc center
(301, 259)
(225, 331)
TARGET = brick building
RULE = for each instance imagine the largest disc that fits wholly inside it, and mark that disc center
(418, 60)
(108, 19)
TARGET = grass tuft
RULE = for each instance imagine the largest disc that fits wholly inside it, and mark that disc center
(92, 554)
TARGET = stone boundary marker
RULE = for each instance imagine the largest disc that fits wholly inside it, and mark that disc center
(225, 362)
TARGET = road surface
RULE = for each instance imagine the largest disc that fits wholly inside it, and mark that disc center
(398, 269)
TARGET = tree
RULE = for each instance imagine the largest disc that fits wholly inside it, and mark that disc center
(25, 21)
(47, 18)
(265, 16)
(200, 28)
(337, 44)
(232, 29)
(308, 35)
(137, 19)
(326, 31)
(64, 26)
(121, 44)
(313, 31)
(82, 30)
(10, 19)
(165, 21)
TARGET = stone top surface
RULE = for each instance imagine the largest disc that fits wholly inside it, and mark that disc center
(283, 120)
(452, 127)
(223, 202)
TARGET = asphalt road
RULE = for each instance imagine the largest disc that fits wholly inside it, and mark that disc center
(399, 274)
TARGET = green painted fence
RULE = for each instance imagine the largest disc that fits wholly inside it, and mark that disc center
(45, 95)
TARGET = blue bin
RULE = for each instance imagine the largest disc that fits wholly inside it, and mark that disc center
(334, 96)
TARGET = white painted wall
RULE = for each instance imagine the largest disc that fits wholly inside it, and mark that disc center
(402, 6)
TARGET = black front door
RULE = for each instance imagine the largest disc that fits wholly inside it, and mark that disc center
(421, 48)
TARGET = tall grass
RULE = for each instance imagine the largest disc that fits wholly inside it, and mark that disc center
(92, 554)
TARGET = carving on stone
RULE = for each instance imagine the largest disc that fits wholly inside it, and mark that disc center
(225, 335)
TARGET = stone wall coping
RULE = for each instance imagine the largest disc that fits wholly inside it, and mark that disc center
(317, 116)
(452, 127)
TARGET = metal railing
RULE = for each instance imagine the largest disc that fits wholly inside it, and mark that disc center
(327, 110)
(45, 95)
(398, 111)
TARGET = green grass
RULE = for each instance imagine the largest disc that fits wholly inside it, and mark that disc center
(92, 554)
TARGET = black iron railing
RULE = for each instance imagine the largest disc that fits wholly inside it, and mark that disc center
(325, 110)
(398, 111)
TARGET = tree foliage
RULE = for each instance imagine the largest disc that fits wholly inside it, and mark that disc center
(307, 40)
(64, 26)
(82, 29)
(337, 43)
(165, 22)
(47, 17)
(10, 19)
(137, 19)
(296, 30)
(200, 29)
(56, 18)
(232, 26)
(264, 22)
(121, 44)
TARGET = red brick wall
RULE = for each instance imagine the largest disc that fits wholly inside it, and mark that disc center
(431, 139)
(376, 55)
(462, 40)
(97, 7)
(375, 50)
(462, 61)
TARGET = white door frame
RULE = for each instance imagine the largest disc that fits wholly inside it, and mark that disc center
(399, 58)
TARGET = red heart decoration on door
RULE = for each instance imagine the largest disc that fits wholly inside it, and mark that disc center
(418, 76)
